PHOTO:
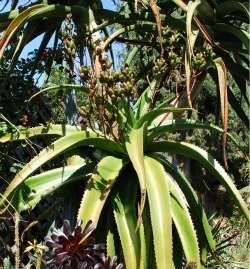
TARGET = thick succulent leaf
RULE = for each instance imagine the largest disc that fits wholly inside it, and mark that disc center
(242, 57)
(98, 188)
(182, 124)
(152, 115)
(241, 83)
(132, 55)
(144, 27)
(126, 114)
(110, 243)
(183, 222)
(43, 130)
(207, 161)
(232, 46)
(236, 70)
(159, 204)
(124, 205)
(145, 231)
(6, 18)
(135, 149)
(142, 104)
(37, 187)
(198, 215)
(60, 146)
(127, 19)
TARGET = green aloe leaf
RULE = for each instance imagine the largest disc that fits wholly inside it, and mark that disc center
(182, 124)
(43, 130)
(183, 222)
(44, 43)
(206, 12)
(198, 215)
(207, 161)
(62, 145)
(135, 149)
(152, 115)
(126, 114)
(159, 203)
(191, 36)
(142, 104)
(99, 187)
(124, 205)
(24, 39)
(145, 231)
(37, 187)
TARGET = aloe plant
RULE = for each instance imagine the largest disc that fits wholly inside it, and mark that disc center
(132, 164)
(138, 200)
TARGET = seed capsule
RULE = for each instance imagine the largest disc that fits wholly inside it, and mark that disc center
(98, 50)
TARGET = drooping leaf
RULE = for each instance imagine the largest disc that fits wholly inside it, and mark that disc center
(15, 24)
(222, 78)
(60, 87)
(235, 31)
(179, 124)
(237, 108)
(62, 145)
(41, 11)
(43, 130)
(192, 34)
(37, 187)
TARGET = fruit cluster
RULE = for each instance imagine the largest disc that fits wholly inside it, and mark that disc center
(173, 44)
(106, 91)
(69, 35)
(202, 57)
